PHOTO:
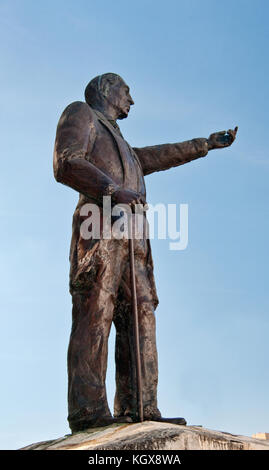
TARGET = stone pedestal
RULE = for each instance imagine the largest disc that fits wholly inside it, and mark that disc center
(151, 435)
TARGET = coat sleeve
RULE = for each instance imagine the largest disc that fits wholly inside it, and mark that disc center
(75, 137)
(163, 157)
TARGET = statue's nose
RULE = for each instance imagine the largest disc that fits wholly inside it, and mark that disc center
(131, 100)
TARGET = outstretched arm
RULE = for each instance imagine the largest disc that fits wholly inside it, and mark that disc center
(163, 157)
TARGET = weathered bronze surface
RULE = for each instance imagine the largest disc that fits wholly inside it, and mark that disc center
(92, 157)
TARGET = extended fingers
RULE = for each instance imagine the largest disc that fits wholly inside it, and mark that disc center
(232, 134)
(140, 200)
(143, 202)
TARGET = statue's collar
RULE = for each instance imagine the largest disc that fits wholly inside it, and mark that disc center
(112, 123)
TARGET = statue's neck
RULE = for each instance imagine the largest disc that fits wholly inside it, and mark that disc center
(107, 112)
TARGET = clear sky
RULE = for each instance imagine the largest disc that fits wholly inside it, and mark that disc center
(194, 67)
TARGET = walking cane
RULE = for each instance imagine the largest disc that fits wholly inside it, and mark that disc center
(135, 321)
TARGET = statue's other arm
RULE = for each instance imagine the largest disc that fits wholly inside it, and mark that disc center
(163, 157)
(75, 137)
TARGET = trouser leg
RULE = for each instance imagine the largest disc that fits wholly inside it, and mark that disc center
(125, 396)
(87, 353)
(125, 402)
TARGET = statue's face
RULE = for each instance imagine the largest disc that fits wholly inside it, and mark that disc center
(121, 99)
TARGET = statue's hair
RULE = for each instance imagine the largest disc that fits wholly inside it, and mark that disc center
(98, 88)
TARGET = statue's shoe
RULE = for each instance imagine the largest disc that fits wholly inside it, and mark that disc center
(180, 421)
(154, 414)
(123, 419)
(98, 422)
(157, 417)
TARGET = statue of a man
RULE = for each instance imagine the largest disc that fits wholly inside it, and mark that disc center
(92, 157)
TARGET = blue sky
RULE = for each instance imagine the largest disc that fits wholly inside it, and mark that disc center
(193, 67)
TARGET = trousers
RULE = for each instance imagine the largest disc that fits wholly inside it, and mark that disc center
(106, 298)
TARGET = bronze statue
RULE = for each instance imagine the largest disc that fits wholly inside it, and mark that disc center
(92, 157)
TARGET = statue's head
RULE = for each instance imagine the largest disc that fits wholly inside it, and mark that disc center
(109, 93)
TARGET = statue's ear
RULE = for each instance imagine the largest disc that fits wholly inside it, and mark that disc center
(99, 84)
(105, 88)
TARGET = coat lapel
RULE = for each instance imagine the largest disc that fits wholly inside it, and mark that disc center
(111, 129)
(120, 142)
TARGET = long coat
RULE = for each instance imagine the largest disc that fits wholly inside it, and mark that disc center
(92, 157)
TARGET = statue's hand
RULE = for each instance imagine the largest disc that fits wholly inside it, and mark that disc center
(222, 139)
(129, 197)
